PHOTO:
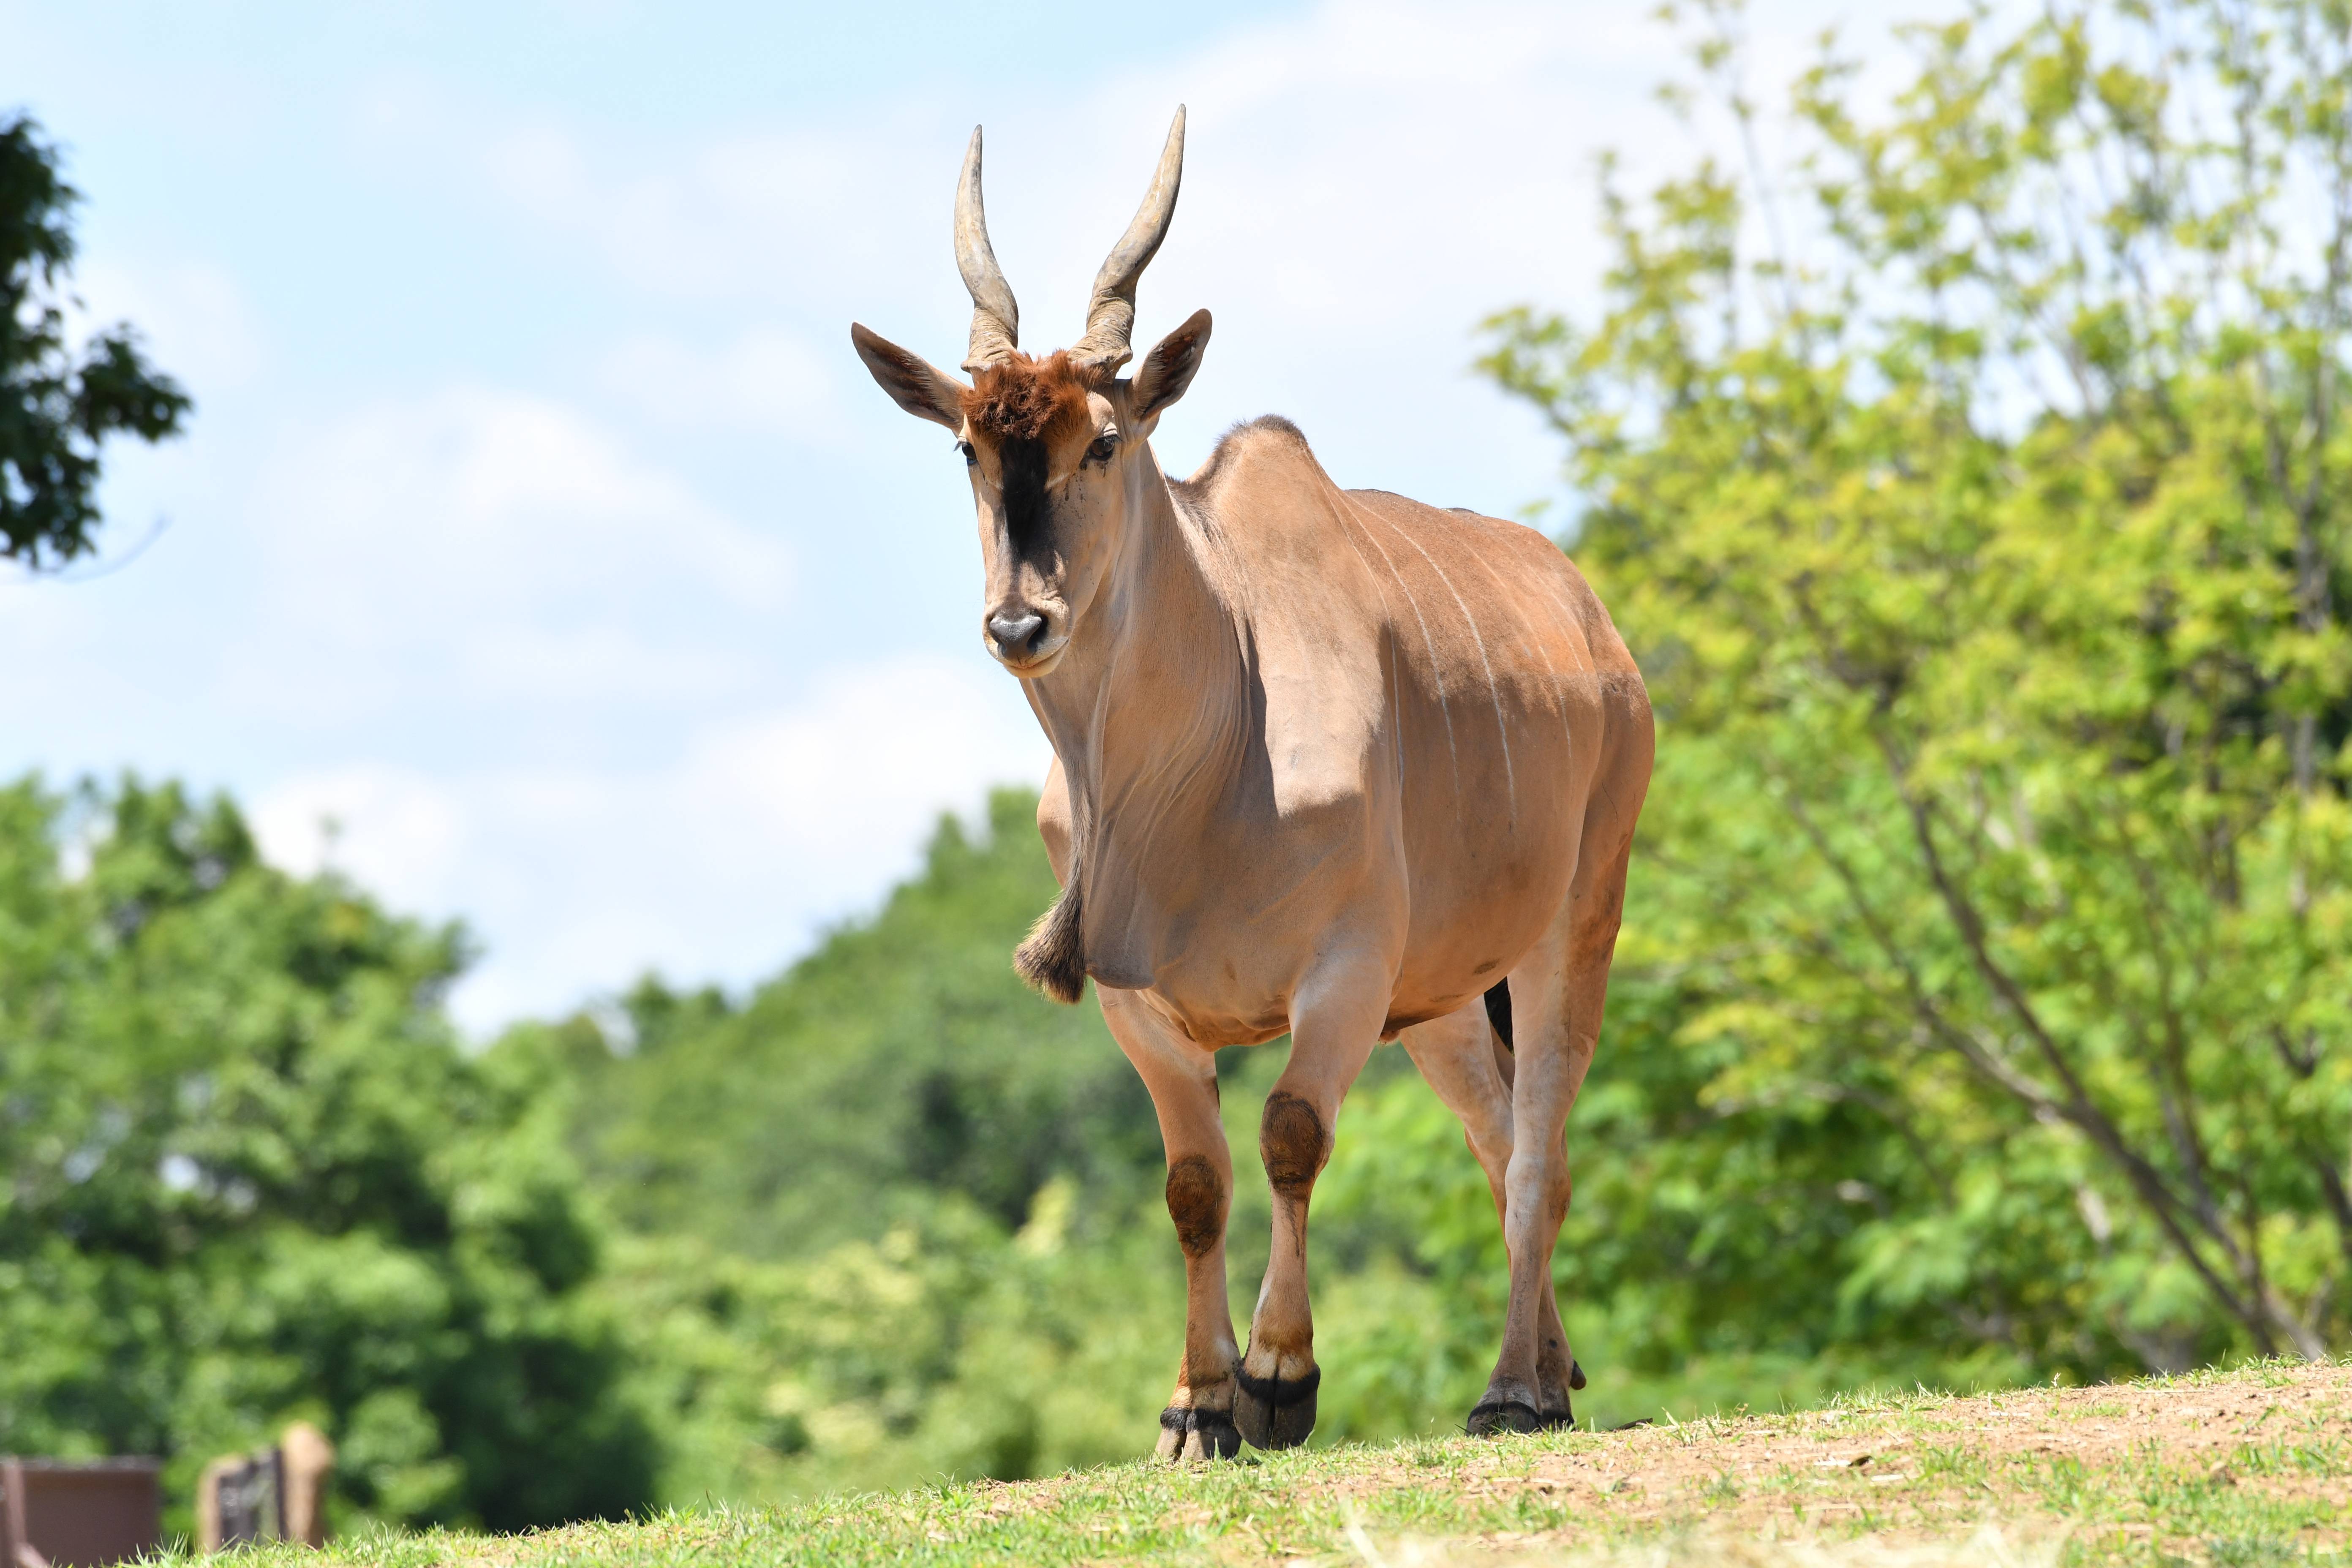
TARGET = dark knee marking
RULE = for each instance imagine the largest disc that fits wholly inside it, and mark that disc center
(1196, 1201)
(1292, 1142)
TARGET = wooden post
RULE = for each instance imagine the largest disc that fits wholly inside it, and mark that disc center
(208, 1503)
(308, 1461)
(238, 1502)
(15, 1551)
(274, 1494)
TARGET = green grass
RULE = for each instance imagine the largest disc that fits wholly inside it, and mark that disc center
(2253, 1466)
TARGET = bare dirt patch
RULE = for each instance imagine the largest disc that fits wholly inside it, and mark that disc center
(2071, 1462)
(2193, 1469)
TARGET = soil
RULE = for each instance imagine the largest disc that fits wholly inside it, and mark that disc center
(1944, 1466)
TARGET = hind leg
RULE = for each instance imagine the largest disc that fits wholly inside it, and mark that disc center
(1462, 1058)
(1557, 993)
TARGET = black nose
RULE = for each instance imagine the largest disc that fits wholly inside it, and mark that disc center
(1013, 634)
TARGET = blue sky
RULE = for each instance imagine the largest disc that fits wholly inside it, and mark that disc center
(537, 524)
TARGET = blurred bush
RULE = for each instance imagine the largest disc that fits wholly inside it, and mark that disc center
(1974, 489)
(250, 1175)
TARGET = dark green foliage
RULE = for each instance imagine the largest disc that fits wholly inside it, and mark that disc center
(249, 1176)
(902, 1055)
(58, 408)
(1986, 553)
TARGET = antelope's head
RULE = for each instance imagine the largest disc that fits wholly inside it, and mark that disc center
(1057, 447)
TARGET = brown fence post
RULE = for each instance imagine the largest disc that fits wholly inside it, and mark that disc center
(238, 1502)
(13, 1544)
(277, 1493)
(58, 1513)
(208, 1503)
(308, 1461)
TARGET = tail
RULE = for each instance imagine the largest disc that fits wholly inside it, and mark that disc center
(1498, 1014)
(1054, 959)
(1499, 1010)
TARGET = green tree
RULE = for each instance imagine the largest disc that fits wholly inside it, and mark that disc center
(902, 1055)
(57, 407)
(1974, 491)
(246, 1174)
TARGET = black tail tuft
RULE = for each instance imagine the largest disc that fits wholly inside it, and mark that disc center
(1499, 1010)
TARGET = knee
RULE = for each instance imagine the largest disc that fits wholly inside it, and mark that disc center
(1489, 1142)
(1536, 1176)
(1292, 1143)
(1196, 1201)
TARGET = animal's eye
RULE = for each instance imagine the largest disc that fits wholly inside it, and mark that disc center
(1103, 449)
(970, 458)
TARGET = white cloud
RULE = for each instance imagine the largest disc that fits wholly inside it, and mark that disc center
(1362, 185)
(395, 830)
(501, 545)
(198, 325)
(768, 379)
(834, 783)
(739, 215)
(720, 860)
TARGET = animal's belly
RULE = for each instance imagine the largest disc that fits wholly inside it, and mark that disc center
(1213, 1022)
(1436, 882)
(1443, 937)
(1230, 979)
(1464, 960)
(1421, 987)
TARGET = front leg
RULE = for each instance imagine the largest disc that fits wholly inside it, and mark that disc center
(1182, 1078)
(1334, 1027)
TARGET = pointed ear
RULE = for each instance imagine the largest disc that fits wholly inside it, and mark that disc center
(913, 383)
(1168, 368)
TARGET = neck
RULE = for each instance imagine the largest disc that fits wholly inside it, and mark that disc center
(1153, 693)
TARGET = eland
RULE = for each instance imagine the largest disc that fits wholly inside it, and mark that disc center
(1329, 763)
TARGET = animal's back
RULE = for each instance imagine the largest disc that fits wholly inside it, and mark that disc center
(1514, 683)
(1453, 673)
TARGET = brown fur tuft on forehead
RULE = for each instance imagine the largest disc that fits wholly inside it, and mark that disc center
(1024, 399)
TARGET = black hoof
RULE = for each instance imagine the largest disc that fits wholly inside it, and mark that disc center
(1494, 1418)
(1198, 1434)
(1576, 1376)
(1276, 1411)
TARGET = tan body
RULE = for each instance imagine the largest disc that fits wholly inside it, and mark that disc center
(1329, 762)
(1388, 737)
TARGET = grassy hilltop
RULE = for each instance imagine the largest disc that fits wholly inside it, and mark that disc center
(2243, 1466)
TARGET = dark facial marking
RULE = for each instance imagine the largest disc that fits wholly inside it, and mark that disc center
(1023, 462)
(1024, 406)
(1292, 1143)
(1196, 1201)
